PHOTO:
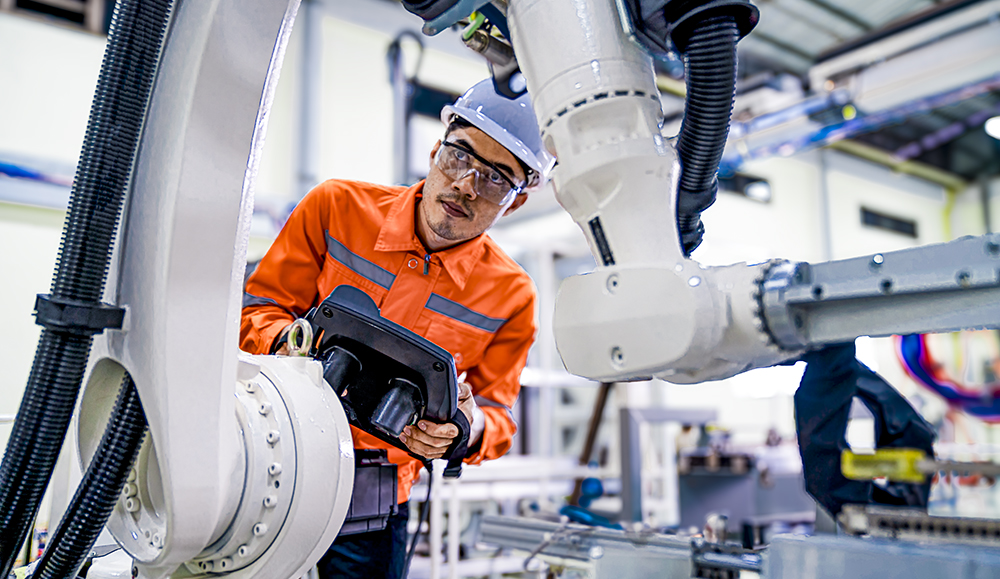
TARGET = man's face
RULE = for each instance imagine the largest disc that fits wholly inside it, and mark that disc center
(452, 211)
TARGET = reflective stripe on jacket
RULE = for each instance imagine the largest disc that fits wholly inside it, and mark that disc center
(473, 300)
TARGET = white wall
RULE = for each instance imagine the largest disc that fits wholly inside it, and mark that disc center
(48, 76)
(30, 238)
(741, 229)
(44, 104)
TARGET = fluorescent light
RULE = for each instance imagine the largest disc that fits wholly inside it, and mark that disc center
(993, 127)
(758, 191)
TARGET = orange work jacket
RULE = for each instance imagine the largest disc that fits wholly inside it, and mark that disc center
(472, 299)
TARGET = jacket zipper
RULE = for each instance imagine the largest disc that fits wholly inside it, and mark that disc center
(427, 264)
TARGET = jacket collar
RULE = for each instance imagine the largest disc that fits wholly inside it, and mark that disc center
(399, 233)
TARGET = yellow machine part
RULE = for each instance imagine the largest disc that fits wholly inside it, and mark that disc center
(895, 464)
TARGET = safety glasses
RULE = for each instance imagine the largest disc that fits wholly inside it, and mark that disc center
(456, 162)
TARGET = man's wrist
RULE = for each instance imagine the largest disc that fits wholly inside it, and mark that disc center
(478, 425)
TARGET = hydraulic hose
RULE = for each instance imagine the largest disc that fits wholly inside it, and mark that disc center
(116, 118)
(710, 53)
(98, 492)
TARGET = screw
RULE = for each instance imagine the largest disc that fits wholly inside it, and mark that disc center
(274, 469)
(270, 501)
(273, 437)
(264, 408)
(225, 563)
(617, 356)
(259, 529)
(886, 286)
(205, 566)
(327, 312)
(964, 278)
(613, 283)
(439, 366)
(877, 259)
(817, 292)
(132, 505)
(243, 551)
(694, 281)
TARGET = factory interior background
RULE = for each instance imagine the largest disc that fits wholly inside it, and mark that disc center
(928, 173)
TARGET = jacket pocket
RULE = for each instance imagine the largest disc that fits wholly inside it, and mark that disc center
(336, 274)
(465, 343)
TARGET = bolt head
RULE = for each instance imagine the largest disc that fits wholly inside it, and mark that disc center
(612, 283)
(617, 357)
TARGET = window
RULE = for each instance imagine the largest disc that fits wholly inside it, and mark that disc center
(750, 187)
(878, 220)
(92, 15)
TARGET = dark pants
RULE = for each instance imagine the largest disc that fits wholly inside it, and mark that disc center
(369, 555)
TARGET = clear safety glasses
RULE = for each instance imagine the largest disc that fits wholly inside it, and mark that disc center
(455, 161)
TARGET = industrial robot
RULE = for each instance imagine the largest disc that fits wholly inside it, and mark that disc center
(205, 461)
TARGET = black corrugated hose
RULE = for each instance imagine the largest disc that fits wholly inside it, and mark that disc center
(98, 492)
(711, 86)
(116, 118)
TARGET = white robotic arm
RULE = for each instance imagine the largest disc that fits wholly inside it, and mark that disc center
(648, 310)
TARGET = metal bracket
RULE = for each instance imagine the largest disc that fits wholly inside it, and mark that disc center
(76, 317)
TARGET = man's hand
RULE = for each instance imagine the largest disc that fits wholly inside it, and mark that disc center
(431, 440)
(283, 348)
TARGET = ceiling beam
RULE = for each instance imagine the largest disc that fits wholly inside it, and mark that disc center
(841, 13)
(783, 46)
(802, 18)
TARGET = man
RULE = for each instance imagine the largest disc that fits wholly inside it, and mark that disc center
(422, 254)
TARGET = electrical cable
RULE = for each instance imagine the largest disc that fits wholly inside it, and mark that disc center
(99, 490)
(424, 509)
(915, 356)
(103, 171)
(710, 59)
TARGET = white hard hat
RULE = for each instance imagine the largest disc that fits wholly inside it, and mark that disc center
(510, 122)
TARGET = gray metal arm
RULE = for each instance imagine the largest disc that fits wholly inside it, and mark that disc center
(934, 288)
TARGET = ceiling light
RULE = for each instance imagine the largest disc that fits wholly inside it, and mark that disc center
(758, 191)
(993, 127)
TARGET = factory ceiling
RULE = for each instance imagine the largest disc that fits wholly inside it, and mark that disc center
(794, 35)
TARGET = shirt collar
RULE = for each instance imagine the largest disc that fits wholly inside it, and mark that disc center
(399, 233)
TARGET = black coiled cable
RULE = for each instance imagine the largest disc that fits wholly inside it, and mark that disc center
(116, 118)
(710, 53)
(98, 492)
